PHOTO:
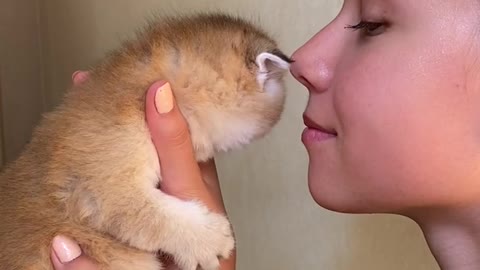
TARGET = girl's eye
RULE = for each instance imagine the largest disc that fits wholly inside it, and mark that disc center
(370, 28)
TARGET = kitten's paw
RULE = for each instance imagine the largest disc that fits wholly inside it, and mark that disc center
(210, 238)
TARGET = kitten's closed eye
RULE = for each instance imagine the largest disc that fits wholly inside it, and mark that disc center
(282, 56)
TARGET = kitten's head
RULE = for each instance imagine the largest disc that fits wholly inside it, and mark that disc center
(227, 78)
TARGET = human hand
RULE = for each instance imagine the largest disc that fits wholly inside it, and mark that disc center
(182, 176)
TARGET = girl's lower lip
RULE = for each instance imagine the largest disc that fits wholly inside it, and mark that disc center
(311, 135)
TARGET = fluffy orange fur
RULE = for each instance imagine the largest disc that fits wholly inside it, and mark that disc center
(90, 171)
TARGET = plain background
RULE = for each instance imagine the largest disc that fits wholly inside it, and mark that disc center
(277, 224)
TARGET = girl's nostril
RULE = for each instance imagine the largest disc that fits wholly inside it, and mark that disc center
(304, 81)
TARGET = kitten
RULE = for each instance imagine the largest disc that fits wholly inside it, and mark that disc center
(90, 171)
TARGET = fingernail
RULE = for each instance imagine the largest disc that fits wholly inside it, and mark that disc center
(164, 99)
(65, 249)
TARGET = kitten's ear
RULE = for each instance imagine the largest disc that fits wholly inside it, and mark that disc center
(271, 63)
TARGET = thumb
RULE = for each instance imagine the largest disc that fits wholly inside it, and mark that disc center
(67, 255)
(181, 175)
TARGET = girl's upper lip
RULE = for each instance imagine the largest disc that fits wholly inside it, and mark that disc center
(313, 125)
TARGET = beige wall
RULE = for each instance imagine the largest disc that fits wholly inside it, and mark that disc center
(20, 72)
(2, 152)
(277, 224)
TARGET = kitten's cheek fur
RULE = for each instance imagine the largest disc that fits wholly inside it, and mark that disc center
(242, 130)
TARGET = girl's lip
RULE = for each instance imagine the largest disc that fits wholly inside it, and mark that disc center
(311, 135)
(310, 124)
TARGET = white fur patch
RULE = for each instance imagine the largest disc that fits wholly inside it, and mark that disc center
(194, 235)
(273, 87)
(219, 139)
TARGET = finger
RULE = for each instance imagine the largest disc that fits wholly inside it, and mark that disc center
(210, 177)
(181, 174)
(67, 255)
(78, 77)
(80, 263)
(171, 138)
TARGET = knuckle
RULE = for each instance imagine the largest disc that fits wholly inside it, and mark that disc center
(178, 136)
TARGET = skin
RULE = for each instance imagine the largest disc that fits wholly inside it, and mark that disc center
(402, 99)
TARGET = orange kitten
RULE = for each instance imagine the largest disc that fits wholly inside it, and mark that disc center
(90, 171)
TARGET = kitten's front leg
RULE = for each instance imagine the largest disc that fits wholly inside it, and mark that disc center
(151, 220)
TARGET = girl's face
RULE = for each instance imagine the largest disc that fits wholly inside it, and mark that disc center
(400, 99)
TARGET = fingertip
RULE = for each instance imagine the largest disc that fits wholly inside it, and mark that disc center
(79, 77)
(164, 118)
(57, 264)
(80, 263)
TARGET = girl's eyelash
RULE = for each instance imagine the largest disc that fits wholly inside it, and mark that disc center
(369, 29)
(364, 25)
